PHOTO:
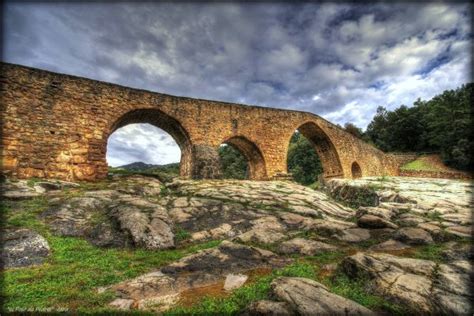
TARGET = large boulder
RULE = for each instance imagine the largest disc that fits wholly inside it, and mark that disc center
(308, 297)
(413, 236)
(420, 285)
(148, 227)
(110, 219)
(372, 221)
(264, 230)
(23, 247)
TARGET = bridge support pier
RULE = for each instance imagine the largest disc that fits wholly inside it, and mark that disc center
(205, 162)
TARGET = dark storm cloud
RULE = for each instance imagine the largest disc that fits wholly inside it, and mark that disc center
(336, 60)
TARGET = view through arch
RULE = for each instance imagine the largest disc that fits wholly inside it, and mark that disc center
(356, 171)
(143, 148)
(325, 149)
(242, 159)
(233, 164)
(303, 162)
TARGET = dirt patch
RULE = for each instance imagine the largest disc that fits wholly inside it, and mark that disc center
(193, 296)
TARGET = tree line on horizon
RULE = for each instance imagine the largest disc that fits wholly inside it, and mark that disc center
(441, 125)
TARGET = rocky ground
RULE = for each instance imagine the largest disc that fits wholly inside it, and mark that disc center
(372, 245)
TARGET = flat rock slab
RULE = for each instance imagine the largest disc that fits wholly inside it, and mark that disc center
(224, 266)
(308, 297)
(304, 246)
(268, 308)
(23, 247)
(227, 258)
(460, 231)
(234, 281)
(389, 245)
(354, 235)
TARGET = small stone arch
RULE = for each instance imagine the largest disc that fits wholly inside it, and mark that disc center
(356, 171)
(324, 147)
(161, 120)
(256, 162)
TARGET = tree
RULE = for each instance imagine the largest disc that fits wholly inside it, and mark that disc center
(233, 163)
(354, 130)
(441, 124)
(449, 124)
(303, 162)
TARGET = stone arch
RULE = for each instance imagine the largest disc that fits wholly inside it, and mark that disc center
(356, 171)
(167, 123)
(255, 160)
(324, 147)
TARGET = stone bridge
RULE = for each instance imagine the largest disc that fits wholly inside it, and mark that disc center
(57, 126)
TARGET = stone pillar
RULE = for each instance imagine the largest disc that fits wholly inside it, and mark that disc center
(205, 162)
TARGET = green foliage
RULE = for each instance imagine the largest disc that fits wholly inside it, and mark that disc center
(398, 130)
(233, 163)
(354, 130)
(442, 124)
(303, 162)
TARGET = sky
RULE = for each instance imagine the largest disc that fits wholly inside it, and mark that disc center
(340, 61)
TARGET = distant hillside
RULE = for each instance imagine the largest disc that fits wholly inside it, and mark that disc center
(138, 165)
(164, 172)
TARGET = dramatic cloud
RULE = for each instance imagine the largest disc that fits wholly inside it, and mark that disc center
(336, 60)
(141, 142)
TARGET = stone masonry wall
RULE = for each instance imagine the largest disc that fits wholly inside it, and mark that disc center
(57, 126)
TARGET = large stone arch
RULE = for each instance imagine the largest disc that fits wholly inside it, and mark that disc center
(161, 120)
(57, 126)
(324, 147)
(254, 156)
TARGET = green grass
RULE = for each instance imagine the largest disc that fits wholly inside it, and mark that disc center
(419, 165)
(32, 181)
(25, 213)
(315, 185)
(431, 252)
(435, 216)
(326, 257)
(70, 275)
(75, 269)
(180, 234)
(356, 290)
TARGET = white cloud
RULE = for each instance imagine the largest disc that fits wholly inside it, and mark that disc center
(141, 142)
(338, 61)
